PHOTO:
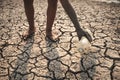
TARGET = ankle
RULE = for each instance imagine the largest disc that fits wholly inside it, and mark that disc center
(48, 32)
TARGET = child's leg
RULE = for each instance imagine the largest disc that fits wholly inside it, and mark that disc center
(71, 13)
(51, 12)
(29, 10)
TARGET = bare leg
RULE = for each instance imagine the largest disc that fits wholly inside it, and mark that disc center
(51, 12)
(29, 10)
(71, 13)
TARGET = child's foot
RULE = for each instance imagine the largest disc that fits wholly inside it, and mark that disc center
(52, 37)
(29, 34)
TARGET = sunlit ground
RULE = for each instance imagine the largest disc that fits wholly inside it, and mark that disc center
(38, 59)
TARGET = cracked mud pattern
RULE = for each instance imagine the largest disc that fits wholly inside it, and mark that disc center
(38, 59)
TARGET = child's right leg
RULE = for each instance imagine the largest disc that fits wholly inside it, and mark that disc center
(71, 13)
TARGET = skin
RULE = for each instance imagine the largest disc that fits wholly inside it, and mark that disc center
(29, 10)
(51, 13)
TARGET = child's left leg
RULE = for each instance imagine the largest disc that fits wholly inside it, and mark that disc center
(51, 12)
(29, 10)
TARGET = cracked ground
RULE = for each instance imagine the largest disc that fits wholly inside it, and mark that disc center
(38, 59)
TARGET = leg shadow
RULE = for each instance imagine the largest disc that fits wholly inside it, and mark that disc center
(88, 65)
(53, 64)
(20, 69)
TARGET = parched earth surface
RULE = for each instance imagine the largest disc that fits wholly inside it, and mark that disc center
(38, 59)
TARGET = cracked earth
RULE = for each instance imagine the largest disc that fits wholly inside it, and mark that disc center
(38, 59)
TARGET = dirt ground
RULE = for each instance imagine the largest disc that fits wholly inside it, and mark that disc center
(38, 59)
